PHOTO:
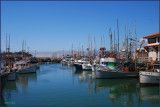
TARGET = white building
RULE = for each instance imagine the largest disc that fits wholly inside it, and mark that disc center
(141, 55)
(153, 46)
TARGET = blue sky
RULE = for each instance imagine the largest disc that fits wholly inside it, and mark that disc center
(49, 26)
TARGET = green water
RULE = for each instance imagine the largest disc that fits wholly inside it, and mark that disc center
(57, 85)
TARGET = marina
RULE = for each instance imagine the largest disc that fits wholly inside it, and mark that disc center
(100, 53)
(75, 87)
(117, 75)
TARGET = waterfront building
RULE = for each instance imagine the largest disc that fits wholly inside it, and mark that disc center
(152, 46)
(141, 54)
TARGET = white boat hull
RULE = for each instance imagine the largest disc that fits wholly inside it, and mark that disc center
(70, 63)
(64, 63)
(114, 74)
(27, 70)
(149, 77)
(86, 67)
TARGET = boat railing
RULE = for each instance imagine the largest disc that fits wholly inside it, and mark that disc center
(120, 64)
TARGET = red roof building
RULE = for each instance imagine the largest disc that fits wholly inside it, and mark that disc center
(151, 36)
(153, 46)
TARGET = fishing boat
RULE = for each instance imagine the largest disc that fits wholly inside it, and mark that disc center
(71, 62)
(112, 71)
(115, 74)
(65, 59)
(87, 66)
(64, 62)
(102, 62)
(25, 67)
(2, 70)
(78, 63)
(150, 76)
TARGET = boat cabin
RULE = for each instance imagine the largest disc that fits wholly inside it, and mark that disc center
(156, 67)
(21, 64)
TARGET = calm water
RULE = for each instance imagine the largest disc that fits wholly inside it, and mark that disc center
(57, 85)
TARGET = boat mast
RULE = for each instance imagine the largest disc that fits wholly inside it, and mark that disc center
(79, 49)
(28, 50)
(72, 49)
(35, 53)
(103, 41)
(127, 47)
(91, 49)
(135, 48)
(6, 43)
(82, 51)
(88, 44)
(8, 54)
(94, 47)
(118, 37)
(110, 34)
(63, 52)
(130, 44)
(22, 48)
(114, 43)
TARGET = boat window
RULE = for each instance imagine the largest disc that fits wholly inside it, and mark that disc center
(158, 39)
(156, 66)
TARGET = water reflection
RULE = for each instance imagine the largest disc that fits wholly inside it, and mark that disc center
(91, 91)
(120, 91)
(11, 87)
(23, 79)
(83, 76)
(149, 93)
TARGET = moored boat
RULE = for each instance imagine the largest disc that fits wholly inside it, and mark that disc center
(87, 66)
(150, 77)
(78, 63)
(112, 71)
(115, 74)
(25, 67)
